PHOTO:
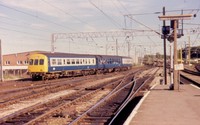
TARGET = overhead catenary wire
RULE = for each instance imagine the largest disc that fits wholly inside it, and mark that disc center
(2, 28)
(23, 22)
(40, 18)
(111, 19)
(63, 11)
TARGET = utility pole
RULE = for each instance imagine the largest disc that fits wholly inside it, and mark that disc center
(1, 73)
(189, 52)
(164, 40)
(52, 43)
(171, 64)
(128, 42)
(116, 47)
(176, 84)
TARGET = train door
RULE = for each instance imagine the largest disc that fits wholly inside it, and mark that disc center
(100, 62)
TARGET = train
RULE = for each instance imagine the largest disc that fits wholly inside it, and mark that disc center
(54, 65)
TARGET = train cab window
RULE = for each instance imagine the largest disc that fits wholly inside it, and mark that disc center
(73, 61)
(41, 62)
(31, 62)
(36, 62)
(68, 61)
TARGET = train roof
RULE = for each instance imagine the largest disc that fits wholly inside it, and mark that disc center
(57, 54)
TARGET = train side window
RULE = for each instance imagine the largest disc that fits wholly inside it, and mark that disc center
(81, 61)
(77, 61)
(36, 62)
(63, 61)
(31, 62)
(53, 62)
(93, 61)
(59, 61)
(88, 61)
(68, 61)
(73, 61)
(41, 62)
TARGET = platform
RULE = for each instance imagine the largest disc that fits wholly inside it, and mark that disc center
(162, 106)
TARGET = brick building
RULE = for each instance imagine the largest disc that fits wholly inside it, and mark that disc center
(16, 64)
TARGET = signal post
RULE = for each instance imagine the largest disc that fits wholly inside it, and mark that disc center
(175, 18)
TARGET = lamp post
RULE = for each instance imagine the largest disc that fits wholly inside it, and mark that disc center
(175, 18)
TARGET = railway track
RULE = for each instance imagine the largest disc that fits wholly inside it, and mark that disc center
(107, 110)
(75, 89)
(38, 90)
(191, 72)
(187, 80)
(184, 78)
(76, 102)
(197, 67)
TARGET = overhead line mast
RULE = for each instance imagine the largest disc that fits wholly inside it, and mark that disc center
(117, 34)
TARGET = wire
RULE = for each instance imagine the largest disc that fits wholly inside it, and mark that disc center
(36, 17)
(2, 28)
(145, 25)
(20, 26)
(158, 12)
(61, 10)
(122, 6)
(115, 23)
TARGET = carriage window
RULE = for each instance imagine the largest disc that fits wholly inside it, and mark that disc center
(93, 61)
(31, 62)
(64, 61)
(41, 61)
(53, 62)
(68, 61)
(88, 61)
(73, 61)
(59, 61)
(77, 61)
(36, 62)
(81, 61)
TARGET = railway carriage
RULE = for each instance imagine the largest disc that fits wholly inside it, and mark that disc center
(54, 65)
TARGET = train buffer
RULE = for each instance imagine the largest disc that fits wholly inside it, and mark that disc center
(162, 106)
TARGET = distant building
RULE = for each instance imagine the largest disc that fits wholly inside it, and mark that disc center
(16, 64)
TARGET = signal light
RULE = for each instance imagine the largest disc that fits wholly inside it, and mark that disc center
(165, 30)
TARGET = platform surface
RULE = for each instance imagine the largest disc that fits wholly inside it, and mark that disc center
(166, 107)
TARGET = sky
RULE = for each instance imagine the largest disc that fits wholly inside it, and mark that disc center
(28, 25)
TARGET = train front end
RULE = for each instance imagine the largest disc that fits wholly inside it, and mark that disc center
(38, 66)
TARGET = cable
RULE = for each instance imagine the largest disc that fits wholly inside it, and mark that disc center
(35, 17)
(145, 26)
(21, 32)
(122, 6)
(61, 10)
(20, 26)
(115, 23)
